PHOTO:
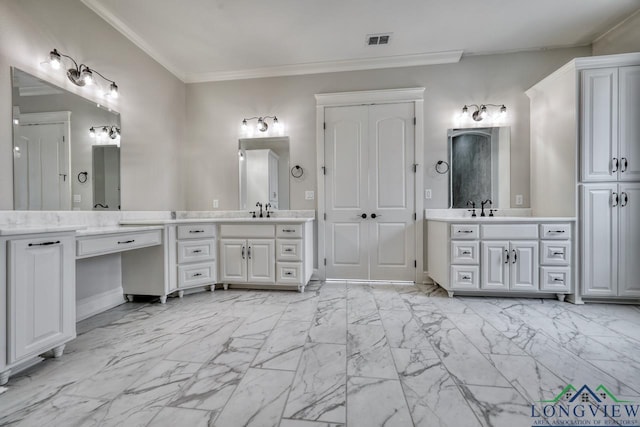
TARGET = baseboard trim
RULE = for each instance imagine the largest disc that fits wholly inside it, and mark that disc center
(95, 304)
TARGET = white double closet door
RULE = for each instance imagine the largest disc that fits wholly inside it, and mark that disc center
(369, 192)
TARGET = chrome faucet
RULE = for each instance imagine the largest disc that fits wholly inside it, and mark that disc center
(473, 208)
(490, 203)
(260, 205)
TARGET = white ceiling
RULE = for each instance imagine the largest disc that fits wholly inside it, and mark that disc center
(208, 40)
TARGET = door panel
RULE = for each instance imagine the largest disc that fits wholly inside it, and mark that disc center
(261, 261)
(346, 166)
(629, 267)
(629, 123)
(392, 200)
(599, 233)
(495, 265)
(524, 266)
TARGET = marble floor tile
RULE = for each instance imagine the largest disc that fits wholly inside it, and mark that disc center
(319, 387)
(283, 348)
(368, 353)
(432, 396)
(340, 354)
(376, 402)
(258, 400)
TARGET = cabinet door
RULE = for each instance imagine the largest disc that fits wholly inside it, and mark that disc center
(629, 235)
(524, 266)
(599, 232)
(495, 265)
(629, 123)
(599, 125)
(261, 261)
(41, 294)
(233, 260)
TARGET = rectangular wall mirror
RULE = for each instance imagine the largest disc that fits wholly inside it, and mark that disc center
(480, 166)
(263, 165)
(55, 155)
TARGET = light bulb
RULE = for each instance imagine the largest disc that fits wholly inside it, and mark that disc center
(113, 90)
(483, 111)
(465, 111)
(105, 131)
(92, 132)
(503, 112)
(87, 76)
(54, 59)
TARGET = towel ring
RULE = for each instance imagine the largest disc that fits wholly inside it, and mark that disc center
(297, 171)
(82, 177)
(438, 167)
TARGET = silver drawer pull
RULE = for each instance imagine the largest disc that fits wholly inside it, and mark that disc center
(124, 242)
(466, 252)
(196, 231)
(465, 231)
(558, 253)
(196, 251)
(556, 231)
(45, 243)
(558, 280)
(288, 230)
(196, 275)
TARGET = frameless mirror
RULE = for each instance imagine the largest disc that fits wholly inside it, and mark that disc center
(57, 163)
(480, 167)
(263, 165)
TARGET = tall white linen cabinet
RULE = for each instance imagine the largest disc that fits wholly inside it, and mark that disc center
(585, 162)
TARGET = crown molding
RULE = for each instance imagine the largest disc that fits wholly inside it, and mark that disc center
(126, 31)
(447, 57)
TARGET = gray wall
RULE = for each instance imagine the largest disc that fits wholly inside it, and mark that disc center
(215, 110)
(624, 38)
(152, 101)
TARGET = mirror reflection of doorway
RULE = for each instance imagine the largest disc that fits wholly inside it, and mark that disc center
(471, 167)
(106, 177)
(41, 161)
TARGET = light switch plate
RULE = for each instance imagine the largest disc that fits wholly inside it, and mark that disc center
(77, 198)
(427, 193)
(216, 203)
(519, 200)
(309, 195)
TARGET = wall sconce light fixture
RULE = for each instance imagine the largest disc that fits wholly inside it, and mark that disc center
(262, 124)
(80, 75)
(112, 131)
(481, 113)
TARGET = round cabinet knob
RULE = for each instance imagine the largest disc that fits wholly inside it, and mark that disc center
(364, 216)
(373, 215)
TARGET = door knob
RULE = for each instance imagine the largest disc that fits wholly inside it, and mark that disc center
(373, 215)
(363, 216)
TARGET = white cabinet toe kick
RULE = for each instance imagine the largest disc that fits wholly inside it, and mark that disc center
(203, 255)
(525, 258)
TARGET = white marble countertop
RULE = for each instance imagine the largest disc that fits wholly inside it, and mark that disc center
(115, 229)
(16, 229)
(247, 220)
(490, 219)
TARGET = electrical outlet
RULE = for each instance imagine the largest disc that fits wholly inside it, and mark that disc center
(216, 203)
(427, 193)
(519, 199)
(77, 198)
(309, 195)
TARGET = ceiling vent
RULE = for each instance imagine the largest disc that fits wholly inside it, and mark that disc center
(378, 39)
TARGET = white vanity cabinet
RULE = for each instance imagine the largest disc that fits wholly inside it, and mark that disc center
(196, 256)
(38, 282)
(490, 257)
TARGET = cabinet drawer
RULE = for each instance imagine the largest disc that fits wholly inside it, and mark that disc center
(93, 246)
(284, 230)
(509, 231)
(196, 250)
(555, 231)
(464, 231)
(555, 253)
(465, 252)
(247, 230)
(196, 274)
(555, 279)
(465, 277)
(289, 249)
(289, 273)
(196, 231)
